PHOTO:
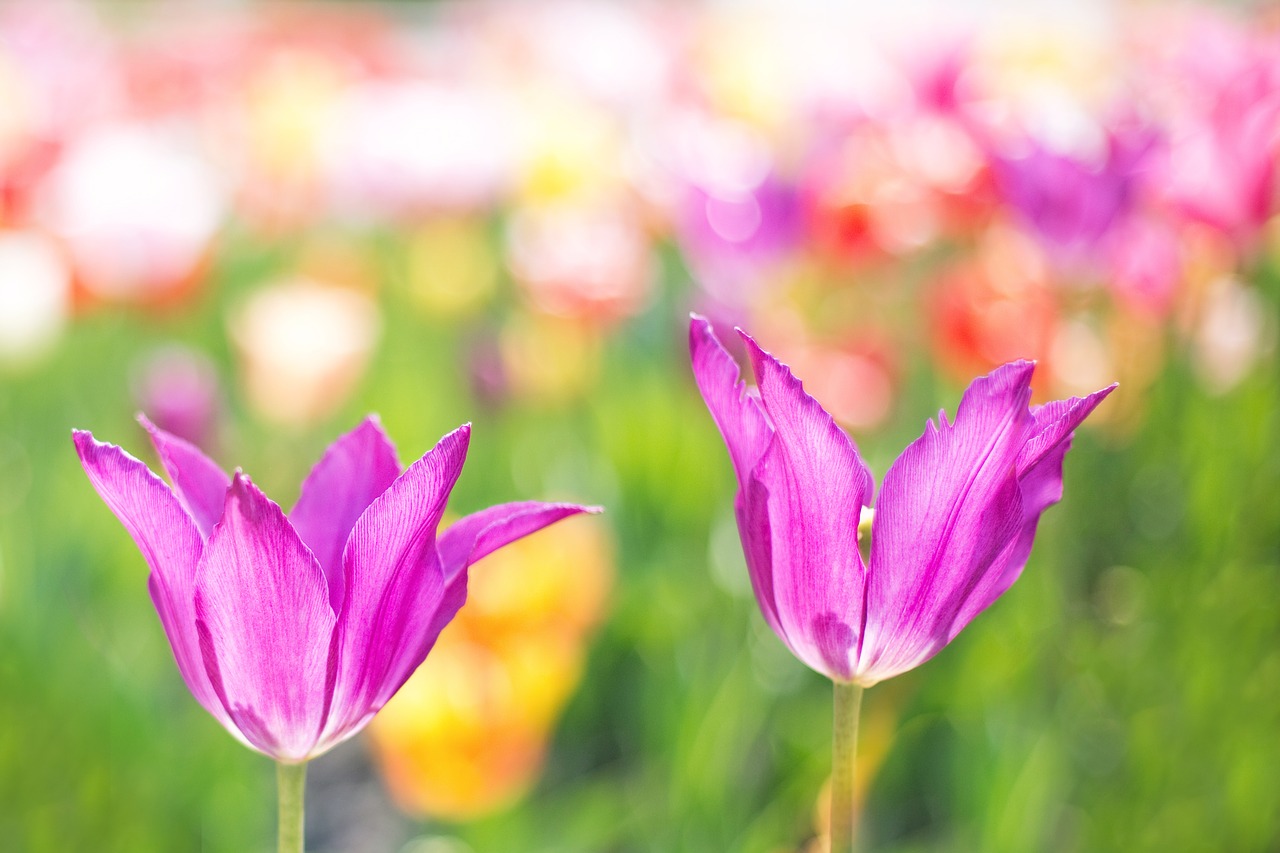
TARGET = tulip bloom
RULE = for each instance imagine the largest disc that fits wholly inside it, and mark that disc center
(293, 630)
(953, 524)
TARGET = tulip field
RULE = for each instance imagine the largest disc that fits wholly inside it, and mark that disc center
(375, 473)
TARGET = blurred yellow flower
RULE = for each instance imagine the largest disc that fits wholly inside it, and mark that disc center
(550, 359)
(453, 268)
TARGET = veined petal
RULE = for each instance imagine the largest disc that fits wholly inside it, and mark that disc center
(1054, 422)
(816, 487)
(355, 469)
(1040, 482)
(198, 482)
(949, 508)
(751, 511)
(170, 543)
(736, 412)
(1041, 488)
(395, 586)
(473, 537)
(263, 617)
(747, 433)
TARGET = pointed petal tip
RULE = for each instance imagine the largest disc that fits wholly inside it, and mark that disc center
(758, 355)
(578, 509)
(700, 328)
(1092, 400)
(85, 443)
(761, 356)
(1021, 367)
(370, 421)
(250, 499)
(1098, 396)
(702, 339)
(460, 436)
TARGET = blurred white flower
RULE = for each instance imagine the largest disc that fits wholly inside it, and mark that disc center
(303, 347)
(138, 206)
(35, 294)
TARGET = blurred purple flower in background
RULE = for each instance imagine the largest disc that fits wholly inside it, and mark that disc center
(293, 631)
(1071, 203)
(179, 386)
(954, 519)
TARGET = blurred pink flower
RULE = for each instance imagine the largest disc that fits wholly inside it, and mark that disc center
(1222, 94)
(180, 388)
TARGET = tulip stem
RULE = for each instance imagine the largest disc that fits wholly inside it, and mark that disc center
(291, 779)
(844, 751)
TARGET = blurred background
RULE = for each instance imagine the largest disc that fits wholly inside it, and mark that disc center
(258, 222)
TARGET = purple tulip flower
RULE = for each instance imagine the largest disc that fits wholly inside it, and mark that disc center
(953, 523)
(293, 631)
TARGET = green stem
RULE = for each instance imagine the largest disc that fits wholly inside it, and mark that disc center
(291, 780)
(844, 751)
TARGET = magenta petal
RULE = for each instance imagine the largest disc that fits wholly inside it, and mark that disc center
(746, 431)
(198, 482)
(740, 416)
(263, 616)
(395, 588)
(1040, 482)
(473, 537)
(1054, 423)
(816, 487)
(355, 469)
(751, 511)
(949, 508)
(169, 542)
(1041, 488)
(736, 412)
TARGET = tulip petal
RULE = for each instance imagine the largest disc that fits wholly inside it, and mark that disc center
(198, 482)
(169, 542)
(738, 414)
(734, 408)
(949, 509)
(263, 616)
(1040, 482)
(355, 469)
(1054, 423)
(751, 511)
(817, 485)
(396, 587)
(473, 537)
(1041, 488)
